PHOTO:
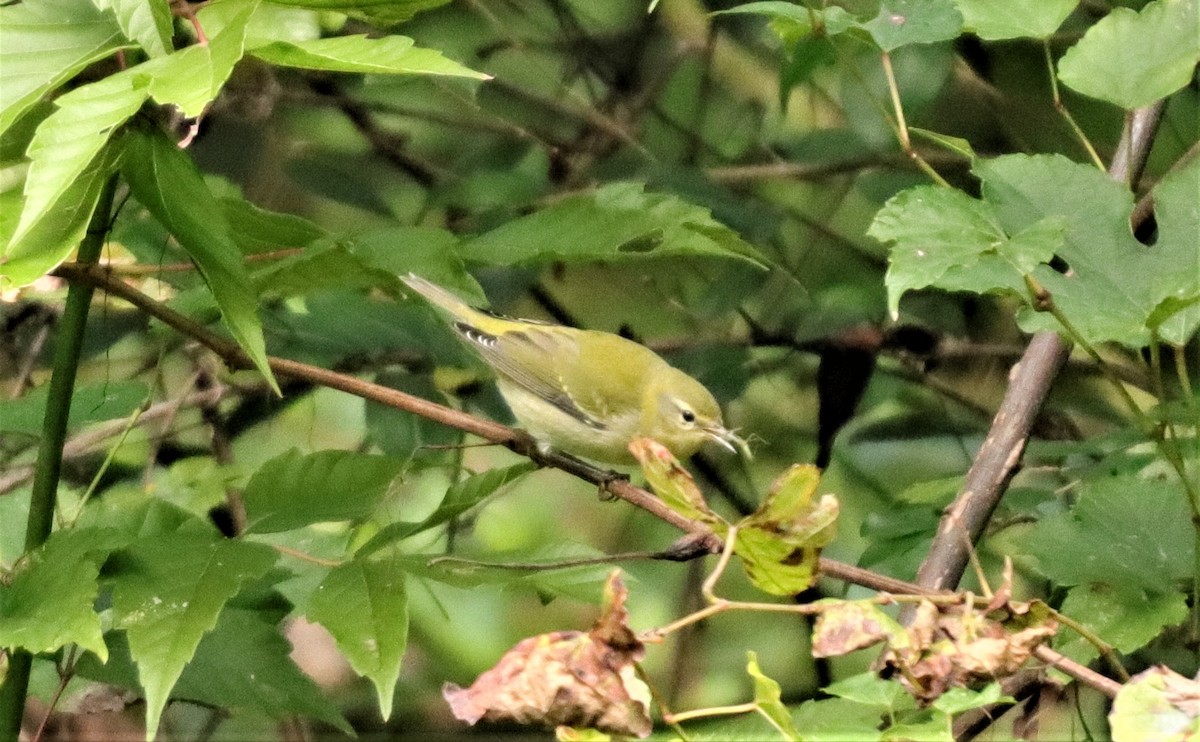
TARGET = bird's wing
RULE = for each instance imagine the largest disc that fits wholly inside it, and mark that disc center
(534, 359)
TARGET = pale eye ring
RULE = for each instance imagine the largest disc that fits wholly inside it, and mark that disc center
(688, 416)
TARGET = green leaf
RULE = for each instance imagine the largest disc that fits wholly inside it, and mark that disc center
(167, 183)
(1157, 705)
(1125, 617)
(1013, 19)
(957, 699)
(244, 663)
(320, 268)
(769, 699)
(44, 43)
(781, 542)
(617, 220)
(1179, 232)
(957, 145)
(167, 593)
(903, 22)
(1132, 59)
(147, 22)
(49, 601)
(47, 242)
(930, 727)
(294, 490)
(870, 689)
(191, 78)
(257, 230)
(943, 237)
(387, 12)
(837, 720)
(389, 55)
(400, 433)
(1104, 538)
(364, 604)
(91, 403)
(71, 138)
(1115, 282)
(459, 498)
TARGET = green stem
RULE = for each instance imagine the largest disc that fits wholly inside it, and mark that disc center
(902, 125)
(1062, 110)
(54, 433)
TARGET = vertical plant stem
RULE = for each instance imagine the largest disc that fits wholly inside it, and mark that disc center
(54, 433)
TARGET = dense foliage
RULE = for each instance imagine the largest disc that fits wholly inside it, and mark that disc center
(848, 220)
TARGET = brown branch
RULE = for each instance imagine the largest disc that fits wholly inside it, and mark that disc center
(964, 520)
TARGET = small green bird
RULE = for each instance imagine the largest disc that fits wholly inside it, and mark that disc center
(586, 392)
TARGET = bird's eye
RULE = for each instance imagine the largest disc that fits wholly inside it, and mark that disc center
(688, 416)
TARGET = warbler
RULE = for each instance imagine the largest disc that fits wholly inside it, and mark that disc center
(586, 392)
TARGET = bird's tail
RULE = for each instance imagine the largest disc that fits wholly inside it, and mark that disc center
(442, 298)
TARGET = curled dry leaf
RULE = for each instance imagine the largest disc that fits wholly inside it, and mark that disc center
(850, 625)
(955, 646)
(1158, 704)
(567, 678)
(671, 482)
(944, 646)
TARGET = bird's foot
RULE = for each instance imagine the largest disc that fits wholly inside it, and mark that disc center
(607, 479)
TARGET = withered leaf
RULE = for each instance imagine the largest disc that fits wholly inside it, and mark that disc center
(849, 625)
(671, 482)
(957, 646)
(566, 678)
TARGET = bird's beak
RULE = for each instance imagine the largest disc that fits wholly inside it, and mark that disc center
(729, 440)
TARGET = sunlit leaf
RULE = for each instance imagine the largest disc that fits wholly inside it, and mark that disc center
(70, 139)
(1158, 705)
(44, 43)
(769, 698)
(943, 237)
(191, 78)
(146, 22)
(49, 602)
(671, 482)
(48, 241)
(389, 55)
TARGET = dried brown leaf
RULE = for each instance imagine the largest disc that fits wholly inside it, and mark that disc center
(566, 678)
